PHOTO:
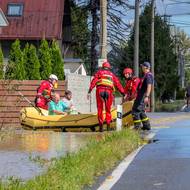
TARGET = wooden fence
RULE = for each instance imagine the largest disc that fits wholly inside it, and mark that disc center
(11, 102)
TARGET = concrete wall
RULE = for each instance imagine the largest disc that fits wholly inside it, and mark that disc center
(79, 85)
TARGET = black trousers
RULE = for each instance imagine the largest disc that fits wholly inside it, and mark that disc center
(139, 115)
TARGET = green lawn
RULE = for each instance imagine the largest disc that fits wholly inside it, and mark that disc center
(170, 107)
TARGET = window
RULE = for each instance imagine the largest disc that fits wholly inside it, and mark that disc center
(15, 9)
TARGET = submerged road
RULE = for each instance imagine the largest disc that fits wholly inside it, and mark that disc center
(165, 164)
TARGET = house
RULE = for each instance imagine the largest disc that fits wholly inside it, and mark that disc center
(3, 20)
(33, 20)
(76, 66)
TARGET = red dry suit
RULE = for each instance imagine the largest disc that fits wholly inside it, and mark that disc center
(44, 94)
(105, 82)
(130, 89)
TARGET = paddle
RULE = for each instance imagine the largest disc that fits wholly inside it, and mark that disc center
(38, 109)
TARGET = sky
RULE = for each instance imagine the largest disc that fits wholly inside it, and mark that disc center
(178, 12)
(173, 9)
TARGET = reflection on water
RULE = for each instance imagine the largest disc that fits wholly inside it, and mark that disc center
(17, 148)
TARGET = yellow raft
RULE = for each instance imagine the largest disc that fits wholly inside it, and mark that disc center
(30, 118)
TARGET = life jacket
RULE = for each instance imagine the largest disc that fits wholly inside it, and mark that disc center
(131, 87)
(44, 91)
(105, 80)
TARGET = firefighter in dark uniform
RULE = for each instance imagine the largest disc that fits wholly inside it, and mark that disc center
(142, 99)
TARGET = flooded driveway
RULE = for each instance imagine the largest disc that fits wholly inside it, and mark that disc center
(19, 150)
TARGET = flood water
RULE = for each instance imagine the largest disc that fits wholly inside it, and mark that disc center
(18, 150)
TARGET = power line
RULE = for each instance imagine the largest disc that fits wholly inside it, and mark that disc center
(179, 14)
(176, 1)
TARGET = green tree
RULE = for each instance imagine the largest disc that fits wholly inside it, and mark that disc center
(34, 64)
(45, 60)
(80, 32)
(86, 22)
(187, 76)
(16, 69)
(57, 61)
(1, 64)
(26, 55)
(166, 77)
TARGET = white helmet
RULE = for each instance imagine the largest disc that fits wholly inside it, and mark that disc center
(53, 77)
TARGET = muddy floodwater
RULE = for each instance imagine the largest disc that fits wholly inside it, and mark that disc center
(19, 150)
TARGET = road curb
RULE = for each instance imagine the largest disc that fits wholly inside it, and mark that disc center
(120, 169)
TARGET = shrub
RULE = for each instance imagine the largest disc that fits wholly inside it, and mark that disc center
(26, 55)
(1, 64)
(34, 64)
(57, 61)
(16, 69)
(45, 60)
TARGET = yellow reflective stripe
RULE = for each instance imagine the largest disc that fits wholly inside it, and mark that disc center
(146, 119)
(105, 81)
(137, 121)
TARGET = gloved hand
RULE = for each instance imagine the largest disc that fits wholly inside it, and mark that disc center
(88, 96)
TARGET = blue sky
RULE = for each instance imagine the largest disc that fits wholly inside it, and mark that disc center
(179, 11)
(172, 8)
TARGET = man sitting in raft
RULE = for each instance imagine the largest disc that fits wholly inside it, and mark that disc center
(56, 106)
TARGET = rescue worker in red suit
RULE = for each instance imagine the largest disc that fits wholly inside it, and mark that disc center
(44, 91)
(105, 82)
(131, 84)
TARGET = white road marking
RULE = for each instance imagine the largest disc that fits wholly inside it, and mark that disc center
(116, 174)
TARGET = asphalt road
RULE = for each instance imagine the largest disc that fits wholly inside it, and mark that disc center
(163, 165)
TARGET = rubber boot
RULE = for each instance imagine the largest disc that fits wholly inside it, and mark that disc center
(137, 125)
(146, 125)
(101, 128)
(108, 127)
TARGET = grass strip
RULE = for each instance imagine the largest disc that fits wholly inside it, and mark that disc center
(77, 170)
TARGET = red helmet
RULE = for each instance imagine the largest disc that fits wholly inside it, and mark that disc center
(106, 64)
(128, 70)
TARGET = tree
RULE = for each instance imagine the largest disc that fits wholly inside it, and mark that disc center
(45, 60)
(182, 41)
(34, 64)
(16, 69)
(1, 64)
(80, 31)
(57, 61)
(117, 26)
(165, 59)
(26, 55)
(187, 76)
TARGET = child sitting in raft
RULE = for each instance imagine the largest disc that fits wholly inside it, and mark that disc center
(56, 106)
(67, 99)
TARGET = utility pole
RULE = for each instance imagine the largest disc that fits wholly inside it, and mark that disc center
(152, 54)
(136, 40)
(103, 29)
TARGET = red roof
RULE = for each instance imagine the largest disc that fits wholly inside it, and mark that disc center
(41, 18)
